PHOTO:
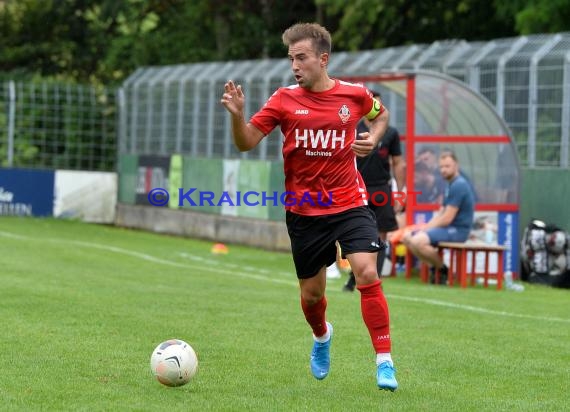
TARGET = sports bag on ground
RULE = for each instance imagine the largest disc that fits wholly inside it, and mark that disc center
(545, 255)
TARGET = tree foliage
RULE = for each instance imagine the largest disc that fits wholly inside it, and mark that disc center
(105, 40)
(367, 24)
(536, 16)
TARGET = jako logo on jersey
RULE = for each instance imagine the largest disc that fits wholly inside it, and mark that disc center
(302, 111)
(344, 114)
(319, 139)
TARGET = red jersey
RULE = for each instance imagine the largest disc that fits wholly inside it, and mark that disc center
(321, 176)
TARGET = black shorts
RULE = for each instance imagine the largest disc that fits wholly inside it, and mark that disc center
(381, 203)
(313, 238)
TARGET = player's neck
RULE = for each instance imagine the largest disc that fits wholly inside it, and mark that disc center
(323, 84)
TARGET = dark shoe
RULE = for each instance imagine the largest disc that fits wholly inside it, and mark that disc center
(350, 284)
(443, 275)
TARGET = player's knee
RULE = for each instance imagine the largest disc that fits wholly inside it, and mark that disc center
(312, 296)
(367, 274)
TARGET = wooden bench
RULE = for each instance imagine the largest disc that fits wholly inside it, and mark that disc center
(458, 263)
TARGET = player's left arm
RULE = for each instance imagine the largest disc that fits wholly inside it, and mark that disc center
(379, 117)
(379, 124)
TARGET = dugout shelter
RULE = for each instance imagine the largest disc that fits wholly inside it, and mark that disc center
(170, 119)
(434, 112)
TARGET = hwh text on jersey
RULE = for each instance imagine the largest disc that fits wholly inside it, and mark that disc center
(319, 139)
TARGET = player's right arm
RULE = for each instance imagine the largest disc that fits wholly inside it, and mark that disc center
(246, 136)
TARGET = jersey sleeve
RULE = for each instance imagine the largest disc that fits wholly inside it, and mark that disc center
(373, 107)
(269, 116)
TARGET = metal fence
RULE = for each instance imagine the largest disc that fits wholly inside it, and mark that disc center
(57, 126)
(176, 109)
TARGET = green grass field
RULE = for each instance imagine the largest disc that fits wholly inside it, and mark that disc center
(83, 306)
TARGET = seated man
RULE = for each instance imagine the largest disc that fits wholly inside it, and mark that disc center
(453, 221)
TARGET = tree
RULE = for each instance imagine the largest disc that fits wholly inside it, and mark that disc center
(536, 16)
(370, 24)
(84, 40)
(103, 41)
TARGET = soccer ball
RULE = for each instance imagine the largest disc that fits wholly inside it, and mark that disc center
(174, 362)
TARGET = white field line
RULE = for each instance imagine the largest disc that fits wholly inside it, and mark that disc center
(477, 309)
(232, 269)
(150, 258)
(234, 265)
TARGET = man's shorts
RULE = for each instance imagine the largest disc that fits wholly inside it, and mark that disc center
(447, 234)
(313, 238)
(381, 203)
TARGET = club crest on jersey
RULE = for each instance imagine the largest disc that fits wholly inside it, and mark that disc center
(344, 114)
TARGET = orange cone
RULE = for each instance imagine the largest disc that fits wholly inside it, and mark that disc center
(219, 249)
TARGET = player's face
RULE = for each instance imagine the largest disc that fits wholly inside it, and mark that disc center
(448, 168)
(306, 63)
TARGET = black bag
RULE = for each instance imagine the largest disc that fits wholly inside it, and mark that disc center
(545, 255)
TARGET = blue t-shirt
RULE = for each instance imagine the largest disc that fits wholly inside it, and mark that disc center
(459, 194)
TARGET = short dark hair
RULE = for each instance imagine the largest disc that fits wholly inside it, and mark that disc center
(319, 36)
(448, 153)
(427, 149)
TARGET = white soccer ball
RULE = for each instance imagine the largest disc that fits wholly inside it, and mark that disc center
(174, 362)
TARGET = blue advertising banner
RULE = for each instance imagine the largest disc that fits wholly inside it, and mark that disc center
(508, 234)
(26, 192)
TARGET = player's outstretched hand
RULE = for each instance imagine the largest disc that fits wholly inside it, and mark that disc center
(233, 98)
(363, 145)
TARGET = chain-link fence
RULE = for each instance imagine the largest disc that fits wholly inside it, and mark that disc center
(57, 126)
(176, 109)
(527, 79)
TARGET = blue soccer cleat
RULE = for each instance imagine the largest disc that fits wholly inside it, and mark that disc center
(321, 358)
(386, 377)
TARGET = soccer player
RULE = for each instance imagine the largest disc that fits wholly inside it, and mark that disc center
(318, 117)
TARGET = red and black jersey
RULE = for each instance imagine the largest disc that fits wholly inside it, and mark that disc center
(319, 128)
